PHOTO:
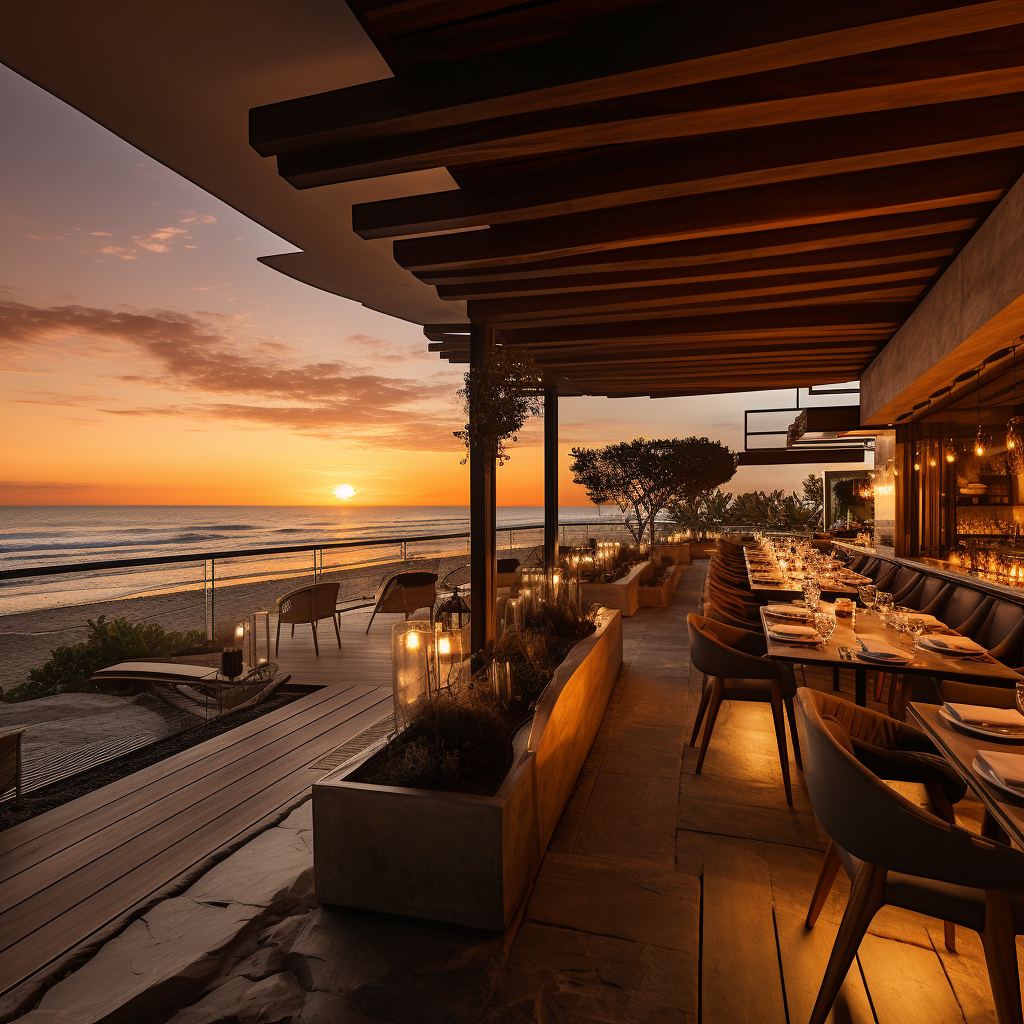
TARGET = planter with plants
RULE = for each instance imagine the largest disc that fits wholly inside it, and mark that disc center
(448, 818)
(677, 551)
(658, 586)
(607, 574)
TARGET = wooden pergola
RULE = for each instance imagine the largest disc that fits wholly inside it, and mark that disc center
(674, 199)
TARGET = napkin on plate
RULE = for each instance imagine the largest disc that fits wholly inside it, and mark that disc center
(790, 611)
(878, 650)
(792, 631)
(952, 645)
(977, 714)
(1006, 767)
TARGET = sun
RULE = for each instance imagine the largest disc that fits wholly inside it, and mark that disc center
(344, 491)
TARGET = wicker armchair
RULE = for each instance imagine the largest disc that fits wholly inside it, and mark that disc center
(309, 604)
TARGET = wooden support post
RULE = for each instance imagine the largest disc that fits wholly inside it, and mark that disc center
(551, 478)
(482, 516)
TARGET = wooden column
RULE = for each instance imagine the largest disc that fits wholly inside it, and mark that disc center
(550, 477)
(482, 516)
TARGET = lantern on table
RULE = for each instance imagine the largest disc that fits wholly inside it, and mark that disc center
(412, 665)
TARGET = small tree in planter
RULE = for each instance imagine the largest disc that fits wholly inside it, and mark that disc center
(645, 477)
(707, 513)
(498, 398)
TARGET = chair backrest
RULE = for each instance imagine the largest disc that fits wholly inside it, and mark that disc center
(904, 581)
(309, 604)
(886, 580)
(1003, 622)
(856, 562)
(711, 651)
(931, 595)
(964, 602)
(870, 568)
(873, 822)
(408, 591)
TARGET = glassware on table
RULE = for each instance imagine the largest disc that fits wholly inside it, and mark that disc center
(868, 593)
(1020, 696)
(883, 604)
(914, 627)
(825, 624)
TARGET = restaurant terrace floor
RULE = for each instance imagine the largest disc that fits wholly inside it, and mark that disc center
(664, 896)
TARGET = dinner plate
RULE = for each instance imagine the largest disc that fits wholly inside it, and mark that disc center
(782, 611)
(993, 780)
(1004, 733)
(883, 657)
(947, 646)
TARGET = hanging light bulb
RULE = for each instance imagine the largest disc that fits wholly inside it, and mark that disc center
(981, 441)
(1015, 428)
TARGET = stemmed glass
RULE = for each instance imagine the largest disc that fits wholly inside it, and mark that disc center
(868, 593)
(824, 623)
(883, 605)
(914, 628)
(812, 595)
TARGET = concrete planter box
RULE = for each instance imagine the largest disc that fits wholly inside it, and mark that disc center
(702, 548)
(622, 594)
(661, 597)
(678, 552)
(461, 859)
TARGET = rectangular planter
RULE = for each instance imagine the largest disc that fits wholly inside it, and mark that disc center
(456, 858)
(661, 597)
(622, 594)
(679, 552)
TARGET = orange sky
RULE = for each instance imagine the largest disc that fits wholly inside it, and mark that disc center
(148, 358)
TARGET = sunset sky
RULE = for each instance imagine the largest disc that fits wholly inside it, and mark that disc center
(149, 359)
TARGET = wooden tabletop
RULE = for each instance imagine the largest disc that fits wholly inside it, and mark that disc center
(790, 584)
(960, 750)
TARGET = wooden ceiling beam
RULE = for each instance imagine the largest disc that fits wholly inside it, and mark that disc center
(707, 45)
(877, 232)
(877, 193)
(617, 176)
(824, 282)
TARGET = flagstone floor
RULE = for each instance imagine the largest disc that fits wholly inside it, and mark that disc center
(664, 896)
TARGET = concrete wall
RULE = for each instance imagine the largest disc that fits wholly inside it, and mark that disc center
(974, 309)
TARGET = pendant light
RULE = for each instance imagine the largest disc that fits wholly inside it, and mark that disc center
(1015, 428)
(950, 449)
(981, 441)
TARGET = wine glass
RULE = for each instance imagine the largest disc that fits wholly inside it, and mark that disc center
(868, 593)
(883, 605)
(914, 628)
(812, 595)
(824, 623)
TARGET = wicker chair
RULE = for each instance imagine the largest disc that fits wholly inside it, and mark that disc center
(10, 762)
(404, 593)
(309, 604)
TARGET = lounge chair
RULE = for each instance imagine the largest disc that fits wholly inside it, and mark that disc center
(309, 604)
(405, 592)
(10, 762)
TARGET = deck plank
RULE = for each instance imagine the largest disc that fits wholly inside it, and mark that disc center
(69, 873)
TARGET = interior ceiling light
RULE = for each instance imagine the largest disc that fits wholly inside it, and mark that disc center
(1015, 428)
(981, 441)
(950, 448)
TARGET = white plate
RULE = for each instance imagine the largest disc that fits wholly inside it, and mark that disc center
(929, 644)
(782, 612)
(981, 730)
(992, 780)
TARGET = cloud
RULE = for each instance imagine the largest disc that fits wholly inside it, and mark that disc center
(198, 218)
(155, 240)
(254, 383)
(101, 234)
(119, 252)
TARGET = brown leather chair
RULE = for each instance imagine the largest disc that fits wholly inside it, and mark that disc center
(930, 593)
(10, 762)
(309, 604)
(404, 593)
(736, 669)
(963, 603)
(900, 854)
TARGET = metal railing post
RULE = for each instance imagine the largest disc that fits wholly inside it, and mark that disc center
(405, 551)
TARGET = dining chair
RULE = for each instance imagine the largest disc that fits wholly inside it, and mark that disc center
(999, 628)
(903, 583)
(930, 594)
(962, 604)
(308, 604)
(733, 670)
(405, 593)
(11, 762)
(886, 579)
(896, 752)
(900, 854)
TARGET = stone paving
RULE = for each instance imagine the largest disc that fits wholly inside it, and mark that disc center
(612, 930)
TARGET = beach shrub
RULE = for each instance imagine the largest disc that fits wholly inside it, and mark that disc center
(70, 668)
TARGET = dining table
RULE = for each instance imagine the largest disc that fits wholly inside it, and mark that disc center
(766, 578)
(844, 649)
(960, 747)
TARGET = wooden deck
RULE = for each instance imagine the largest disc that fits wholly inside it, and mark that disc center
(67, 874)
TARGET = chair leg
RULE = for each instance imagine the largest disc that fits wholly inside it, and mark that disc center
(715, 702)
(826, 879)
(277, 642)
(315, 647)
(1001, 958)
(705, 696)
(337, 628)
(942, 808)
(791, 715)
(879, 685)
(780, 738)
(865, 902)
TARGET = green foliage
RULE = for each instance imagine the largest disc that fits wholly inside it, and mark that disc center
(643, 477)
(498, 397)
(70, 668)
(774, 511)
(706, 513)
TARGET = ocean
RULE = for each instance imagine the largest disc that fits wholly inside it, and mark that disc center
(39, 536)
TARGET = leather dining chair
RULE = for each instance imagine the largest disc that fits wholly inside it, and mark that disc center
(931, 593)
(904, 583)
(999, 628)
(899, 854)
(886, 579)
(894, 751)
(734, 670)
(962, 604)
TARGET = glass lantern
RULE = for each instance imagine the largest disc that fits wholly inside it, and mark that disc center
(412, 664)
(499, 682)
(448, 658)
(452, 612)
